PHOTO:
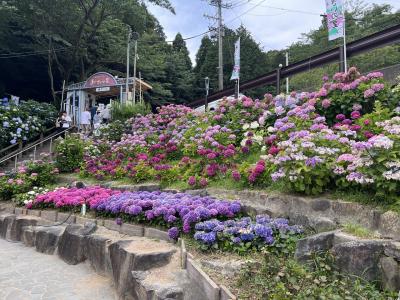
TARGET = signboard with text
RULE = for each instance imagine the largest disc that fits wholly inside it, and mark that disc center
(101, 79)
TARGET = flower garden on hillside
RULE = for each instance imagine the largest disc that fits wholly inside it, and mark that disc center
(344, 137)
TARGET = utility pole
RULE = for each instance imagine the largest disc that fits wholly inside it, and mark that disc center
(220, 5)
(135, 37)
(220, 56)
(127, 65)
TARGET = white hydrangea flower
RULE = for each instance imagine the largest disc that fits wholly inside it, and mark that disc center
(254, 125)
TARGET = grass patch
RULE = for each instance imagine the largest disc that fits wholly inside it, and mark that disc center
(359, 231)
(275, 277)
(366, 198)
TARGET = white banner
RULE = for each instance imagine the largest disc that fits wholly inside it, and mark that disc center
(236, 67)
(335, 18)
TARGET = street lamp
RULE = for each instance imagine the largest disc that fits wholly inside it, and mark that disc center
(207, 84)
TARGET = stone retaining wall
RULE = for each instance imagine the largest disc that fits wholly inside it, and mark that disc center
(113, 250)
(320, 214)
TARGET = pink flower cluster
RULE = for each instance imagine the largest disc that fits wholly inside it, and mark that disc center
(73, 197)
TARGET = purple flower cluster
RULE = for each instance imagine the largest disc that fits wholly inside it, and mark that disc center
(168, 208)
(263, 231)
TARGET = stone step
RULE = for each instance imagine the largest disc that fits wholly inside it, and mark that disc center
(167, 282)
(141, 267)
(137, 254)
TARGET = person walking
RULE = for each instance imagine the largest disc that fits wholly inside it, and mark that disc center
(106, 114)
(93, 111)
(96, 123)
(85, 121)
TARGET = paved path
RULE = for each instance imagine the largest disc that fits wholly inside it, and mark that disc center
(27, 274)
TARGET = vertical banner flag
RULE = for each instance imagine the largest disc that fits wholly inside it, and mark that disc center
(335, 18)
(236, 67)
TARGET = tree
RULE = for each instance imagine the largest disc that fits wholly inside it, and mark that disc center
(75, 36)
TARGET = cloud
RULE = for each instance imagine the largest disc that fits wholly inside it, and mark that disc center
(273, 28)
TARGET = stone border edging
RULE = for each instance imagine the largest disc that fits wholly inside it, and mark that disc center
(212, 290)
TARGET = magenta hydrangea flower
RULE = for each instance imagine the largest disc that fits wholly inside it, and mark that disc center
(236, 175)
(192, 180)
(355, 115)
(340, 117)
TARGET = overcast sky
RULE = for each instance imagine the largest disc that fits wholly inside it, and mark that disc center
(275, 24)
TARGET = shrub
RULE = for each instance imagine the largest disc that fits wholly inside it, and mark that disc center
(282, 277)
(179, 210)
(25, 121)
(69, 153)
(26, 199)
(244, 235)
(112, 132)
(123, 112)
(72, 197)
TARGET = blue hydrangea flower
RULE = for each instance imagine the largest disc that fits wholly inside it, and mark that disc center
(209, 238)
(247, 236)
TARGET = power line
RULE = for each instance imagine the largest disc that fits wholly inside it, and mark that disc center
(29, 52)
(15, 55)
(247, 11)
(291, 10)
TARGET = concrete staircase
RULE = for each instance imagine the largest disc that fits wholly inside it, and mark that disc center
(142, 268)
(9, 165)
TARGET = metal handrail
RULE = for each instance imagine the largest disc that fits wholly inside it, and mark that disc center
(16, 145)
(35, 146)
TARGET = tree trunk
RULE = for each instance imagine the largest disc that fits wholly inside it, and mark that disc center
(50, 72)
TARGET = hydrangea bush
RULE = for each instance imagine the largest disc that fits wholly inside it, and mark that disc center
(245, 234)
(72, 198)
(301, 141)
(25, 121)
(179, 211)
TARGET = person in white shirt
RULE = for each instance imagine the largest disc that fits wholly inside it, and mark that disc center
(85, 121)
(96, 123)
(106, 114)
(66, 120)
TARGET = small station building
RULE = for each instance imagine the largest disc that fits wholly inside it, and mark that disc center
(99, 90)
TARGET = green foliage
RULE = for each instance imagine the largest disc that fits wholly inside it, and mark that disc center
(10, 186)
(44, 171)
(69, 153)
(28, 197)
(279, 278)
(112, 131)
(124, 111)
(91, 39)
(379, 114)
(25, 121)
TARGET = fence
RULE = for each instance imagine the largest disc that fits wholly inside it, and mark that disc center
(379, 39)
